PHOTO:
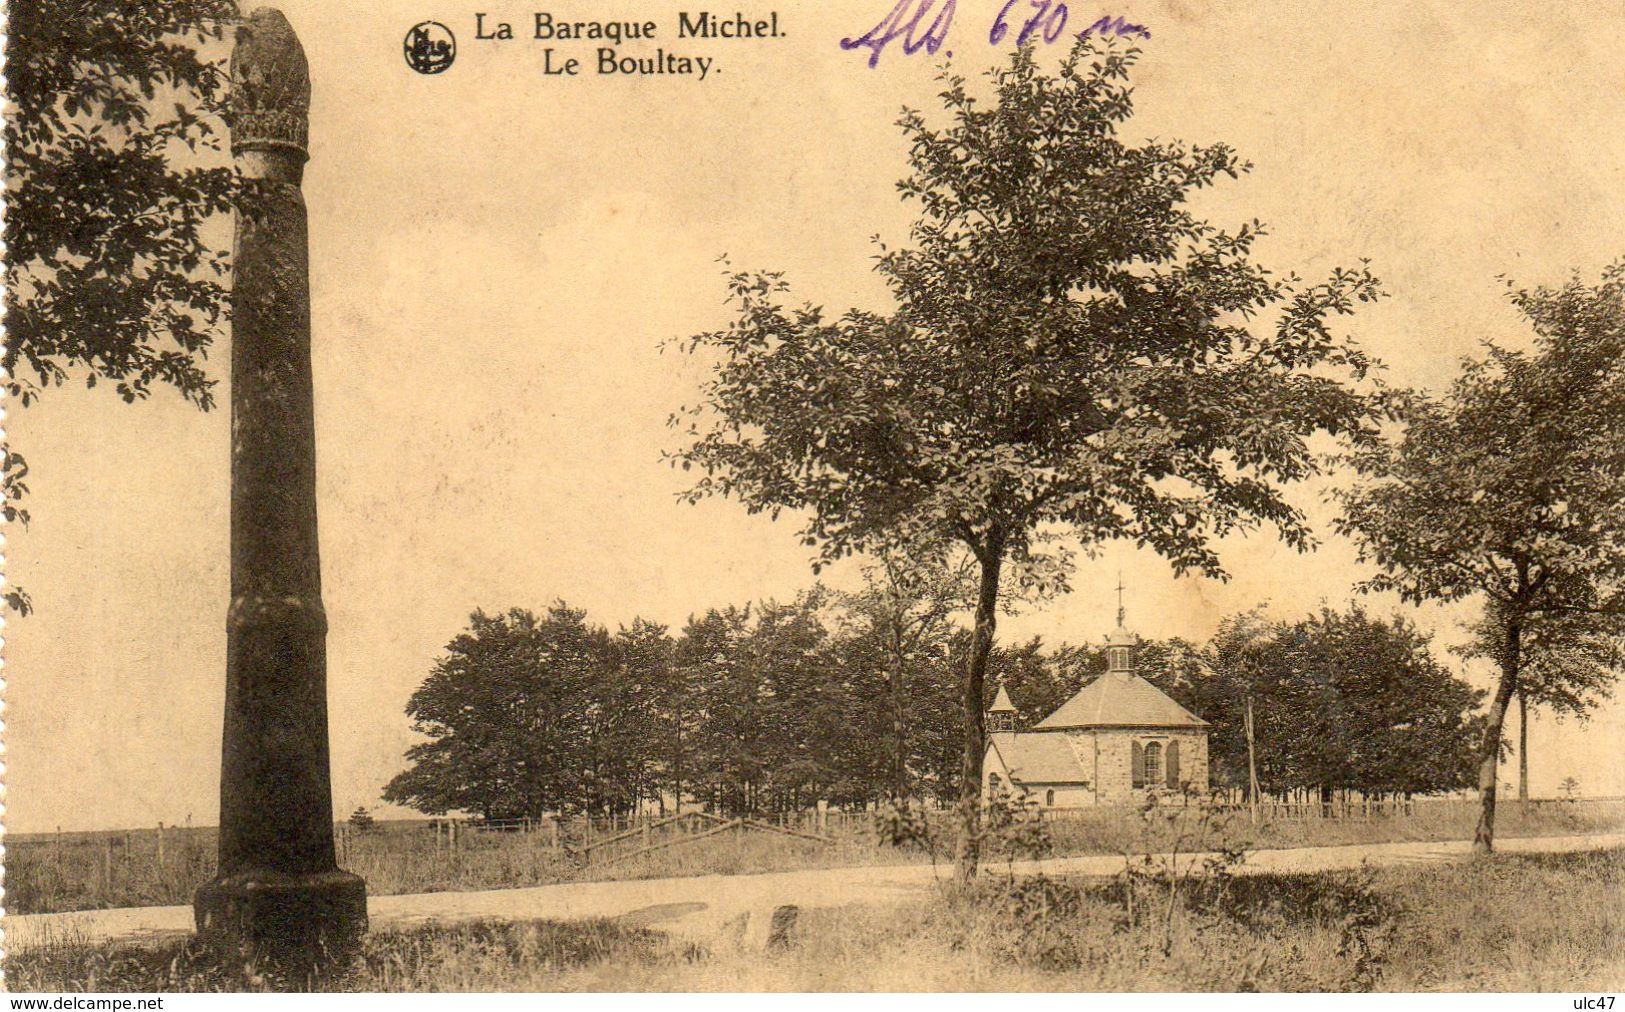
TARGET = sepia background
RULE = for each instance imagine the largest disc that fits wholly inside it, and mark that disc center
(496, 257)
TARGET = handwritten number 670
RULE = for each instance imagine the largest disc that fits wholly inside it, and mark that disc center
(1050, 19)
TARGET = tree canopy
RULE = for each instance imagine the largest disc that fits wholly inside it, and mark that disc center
(106, 270)
(901, 623)
(1070, 348)
(511, 713)
(113, 174)
(1341, 701)
(1507, 489)
(772, 707)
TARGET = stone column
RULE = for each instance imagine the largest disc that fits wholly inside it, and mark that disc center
(278, 887)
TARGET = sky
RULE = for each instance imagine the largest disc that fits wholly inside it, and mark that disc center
(498, 254)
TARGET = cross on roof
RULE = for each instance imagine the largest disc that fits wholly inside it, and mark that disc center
(1120, 599)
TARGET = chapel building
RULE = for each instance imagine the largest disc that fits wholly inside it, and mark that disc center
(1114, 742)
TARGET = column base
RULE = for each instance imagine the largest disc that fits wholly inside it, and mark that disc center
(313, 918)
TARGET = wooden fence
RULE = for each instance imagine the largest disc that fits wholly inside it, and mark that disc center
(582, 834)
(1394, 807)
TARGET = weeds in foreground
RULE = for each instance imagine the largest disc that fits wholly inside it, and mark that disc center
(1223, 941)
(480, 955)
(1510, 922)
(1012, 828)
(1185, 852)
(1202, 931)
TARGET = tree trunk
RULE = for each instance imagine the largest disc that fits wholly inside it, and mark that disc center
(1523, 752)
(1490, 759)
(991, 557)
(899, 788)
(677, 758)
(899, 756)
(1252, 765)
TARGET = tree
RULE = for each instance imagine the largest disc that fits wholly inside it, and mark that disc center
(626, 718)
(509, 714)
(115, 109)
(1569, 666)
(1071, 349)
(648, 746)
(1400, 721)
(1341, 701)
(862, 747)
(1256, 663)
(904, 610)
(1038, 681)
(725, 747)
(1177, 667)
(1507, 490)
(771, 706)
(802, 702)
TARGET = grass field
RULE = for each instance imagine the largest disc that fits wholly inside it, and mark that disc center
(97, 871)
(1550, 922)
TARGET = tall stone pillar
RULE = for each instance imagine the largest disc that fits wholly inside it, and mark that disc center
(278, 887)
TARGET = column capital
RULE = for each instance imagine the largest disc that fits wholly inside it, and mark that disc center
(270, 89)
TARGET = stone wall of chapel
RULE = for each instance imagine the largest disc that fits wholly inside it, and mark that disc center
(1116, 760)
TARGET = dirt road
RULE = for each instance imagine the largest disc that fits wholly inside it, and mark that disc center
(704, 906)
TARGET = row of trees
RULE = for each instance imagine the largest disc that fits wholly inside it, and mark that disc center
(1341, 701)
(747, 709)
(776, 706)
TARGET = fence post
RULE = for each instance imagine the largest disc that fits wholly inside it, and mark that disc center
(160, 845)
(107, 864)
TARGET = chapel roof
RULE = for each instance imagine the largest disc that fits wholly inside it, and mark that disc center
(1119, 699)
(1038, 758)
(1121, 637)
(1001, 702)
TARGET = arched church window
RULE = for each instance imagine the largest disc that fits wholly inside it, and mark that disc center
(1049, 798)
(1153, 764)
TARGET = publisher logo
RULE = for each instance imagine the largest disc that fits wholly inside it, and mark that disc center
(430, 47)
